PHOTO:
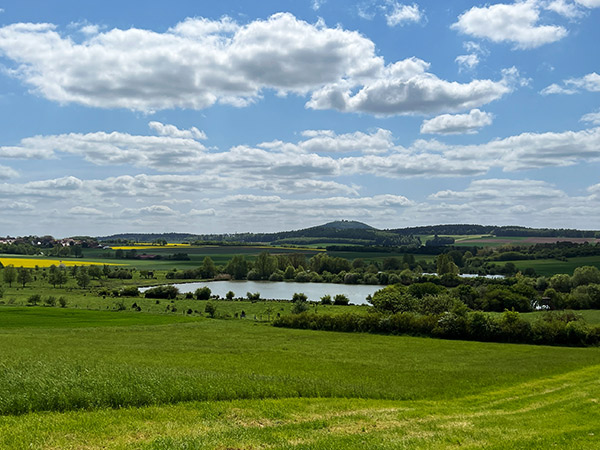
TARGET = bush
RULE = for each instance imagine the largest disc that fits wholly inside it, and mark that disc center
(203, 293)
(62, 302)
(341, 299)
(210, 309)
(34, 299)
(299, 297)
(50, 301)
(130, 291)
(166, 292)
(326, 300)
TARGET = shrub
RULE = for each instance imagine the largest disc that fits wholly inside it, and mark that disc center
(229, 295)
(34, 299)
(326, 300)
(130, 291)
(299, 297)
(166, 291)
(210, 309)
(203, 293)
(62, 302)
(341, 299)
(50, 301)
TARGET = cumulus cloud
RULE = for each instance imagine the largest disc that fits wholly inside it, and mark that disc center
(518, 23)
(458, 123)
(589, 3)
(401, 14)
(508, 201)
(565, 8)
(193, 65)
(7, 172)
(202, 212)
(593, 117)
(200, 62)
(84, 211)
(173, 131)
(407, 88)
(589, 82)
(469, 61)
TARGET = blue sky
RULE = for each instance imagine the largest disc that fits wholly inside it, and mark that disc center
(234, 116)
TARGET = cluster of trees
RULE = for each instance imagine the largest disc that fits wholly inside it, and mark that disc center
(521, 293)
(59, 275)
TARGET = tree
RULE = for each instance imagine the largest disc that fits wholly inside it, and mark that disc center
(23, 276)
(229, 295)
(9, 275)
(237, 267)
(83, 279)
(445, 264)
(57, 277)
(265, 265)
(95, 272)
(208, 269)
(585, 275)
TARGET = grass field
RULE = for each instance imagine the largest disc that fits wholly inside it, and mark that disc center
(119, 380)
(549, 267)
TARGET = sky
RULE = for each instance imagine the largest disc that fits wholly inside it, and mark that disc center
(238, 116)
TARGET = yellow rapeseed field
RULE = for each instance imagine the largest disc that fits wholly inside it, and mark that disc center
(32, 262)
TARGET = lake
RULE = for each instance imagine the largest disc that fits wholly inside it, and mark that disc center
(283, 290)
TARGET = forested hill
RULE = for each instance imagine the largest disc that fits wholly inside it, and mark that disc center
(515, 231)
(352, 232)
(338, 232)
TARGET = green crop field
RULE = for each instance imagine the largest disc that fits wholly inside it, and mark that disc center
(120, 380)
(549, 267)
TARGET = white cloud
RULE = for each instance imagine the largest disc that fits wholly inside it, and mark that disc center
(173, 131)
(193, 65)
(200, 62)
(316, 4)
(161, 210)
(564, 8)
(589, 3)
(401, 14)
(469, 61)
(533, 150)
(202, 212)
(327, 141)
(407, 88)
(593, 117)
(7, 172)
(517, 23)
(589, 82)
(84, 211)
(458, 123)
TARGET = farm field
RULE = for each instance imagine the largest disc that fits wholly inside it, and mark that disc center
(549, 267)
(37, 261)
(99, 382)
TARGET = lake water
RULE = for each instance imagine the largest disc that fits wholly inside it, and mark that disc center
(283, 290)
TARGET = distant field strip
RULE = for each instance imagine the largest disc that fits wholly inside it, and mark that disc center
(39, 262)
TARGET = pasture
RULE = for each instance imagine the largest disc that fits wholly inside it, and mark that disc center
(549, 267)
(136, 380)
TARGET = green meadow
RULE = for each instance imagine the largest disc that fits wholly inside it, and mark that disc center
(106, 379)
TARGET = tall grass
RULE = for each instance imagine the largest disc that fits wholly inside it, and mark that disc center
(86, 367)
